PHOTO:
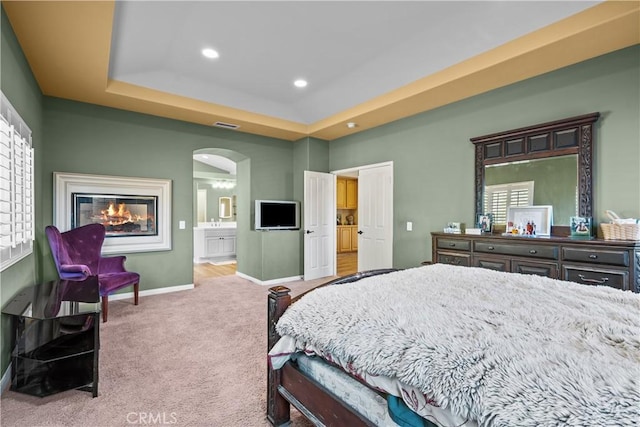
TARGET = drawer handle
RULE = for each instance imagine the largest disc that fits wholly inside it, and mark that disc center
(594, 281)
(452, 261)
(453, 245)
(533, 251)
(593, 256)
(490, 248)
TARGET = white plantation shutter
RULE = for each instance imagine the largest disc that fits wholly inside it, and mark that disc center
(496, 202)
(497, 198)
(16, 187)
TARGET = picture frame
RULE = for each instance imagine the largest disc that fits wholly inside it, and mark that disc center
(529, 220)
(485, 223)
(453, 228)
(581, 226)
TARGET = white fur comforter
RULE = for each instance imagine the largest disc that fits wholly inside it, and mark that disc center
(503, 349)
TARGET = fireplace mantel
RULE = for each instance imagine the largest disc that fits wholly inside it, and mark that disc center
(68, 185)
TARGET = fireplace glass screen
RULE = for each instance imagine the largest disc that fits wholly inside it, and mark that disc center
(120, 215)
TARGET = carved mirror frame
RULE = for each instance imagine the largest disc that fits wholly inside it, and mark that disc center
(573, 135)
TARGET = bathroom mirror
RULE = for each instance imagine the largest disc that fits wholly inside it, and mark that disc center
(560, 153)
(225, 207)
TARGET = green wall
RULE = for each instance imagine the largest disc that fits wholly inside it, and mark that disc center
(310, 154)
(434, 159)
(22, 91)
(106, 141)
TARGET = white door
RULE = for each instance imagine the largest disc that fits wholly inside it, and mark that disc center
(319, 225)
(375, 218)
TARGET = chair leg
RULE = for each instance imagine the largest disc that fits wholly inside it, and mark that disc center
(135, 293)
(105, 308)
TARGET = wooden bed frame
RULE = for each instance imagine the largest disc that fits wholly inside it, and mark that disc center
(290, 386)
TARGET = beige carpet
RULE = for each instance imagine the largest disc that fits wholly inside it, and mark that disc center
(190, 358)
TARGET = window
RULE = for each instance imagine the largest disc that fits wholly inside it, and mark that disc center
(498, 197)
(16, 187)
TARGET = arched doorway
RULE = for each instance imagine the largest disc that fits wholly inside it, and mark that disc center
(218, 190)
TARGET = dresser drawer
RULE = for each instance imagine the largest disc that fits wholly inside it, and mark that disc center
(618, 279)
(454, 259)
(454, 244)
(596, 256)
(532, 251)
(546, 269)
(491, 263)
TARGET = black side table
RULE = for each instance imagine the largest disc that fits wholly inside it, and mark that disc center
(56, 339)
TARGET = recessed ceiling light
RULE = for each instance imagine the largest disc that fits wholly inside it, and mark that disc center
(210, 53)
(300, 83)
(351, 125)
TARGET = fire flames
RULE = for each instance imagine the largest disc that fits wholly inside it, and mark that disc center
(120, 216)
(118, 219)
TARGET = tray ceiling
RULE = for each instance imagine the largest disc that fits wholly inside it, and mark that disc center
(366, 62)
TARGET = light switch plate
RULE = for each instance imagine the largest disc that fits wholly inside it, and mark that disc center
(409, 226)
(182, 225)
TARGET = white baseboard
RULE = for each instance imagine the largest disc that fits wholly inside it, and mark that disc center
(268, 282)
(150, 292)
(6, 378)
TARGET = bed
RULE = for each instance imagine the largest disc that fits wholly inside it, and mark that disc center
(447, 345)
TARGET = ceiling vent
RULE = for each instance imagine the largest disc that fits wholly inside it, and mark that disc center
(226, 125)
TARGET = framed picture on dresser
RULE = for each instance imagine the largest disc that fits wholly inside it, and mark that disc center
(580, 226)
(530, 220)
(485, 222)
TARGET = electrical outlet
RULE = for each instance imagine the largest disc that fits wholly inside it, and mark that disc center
(409, 226)
(182, 225)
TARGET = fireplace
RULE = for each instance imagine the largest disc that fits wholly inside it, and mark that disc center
(121, 215)
(136, 212)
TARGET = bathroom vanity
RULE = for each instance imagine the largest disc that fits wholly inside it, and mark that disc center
(214, 242)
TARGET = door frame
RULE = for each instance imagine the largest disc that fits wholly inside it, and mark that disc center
(354, 172)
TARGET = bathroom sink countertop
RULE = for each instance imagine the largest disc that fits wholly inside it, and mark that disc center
(214, 225)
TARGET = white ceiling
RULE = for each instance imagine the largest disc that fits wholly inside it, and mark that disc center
(349, 51)
(216, 161)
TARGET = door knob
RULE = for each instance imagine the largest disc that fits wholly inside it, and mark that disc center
(360, 232)
(308, 231)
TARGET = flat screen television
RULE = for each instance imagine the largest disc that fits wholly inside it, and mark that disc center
(277, 215)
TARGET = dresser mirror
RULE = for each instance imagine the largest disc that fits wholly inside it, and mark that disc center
(548, 181)
(552, 162)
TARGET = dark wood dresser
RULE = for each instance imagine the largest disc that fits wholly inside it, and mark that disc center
(613, 263)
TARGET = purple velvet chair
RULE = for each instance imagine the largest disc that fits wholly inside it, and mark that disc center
(76, 254)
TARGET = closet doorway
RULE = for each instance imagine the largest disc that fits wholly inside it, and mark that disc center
(372, 238)
(373, 225)
(347, 224)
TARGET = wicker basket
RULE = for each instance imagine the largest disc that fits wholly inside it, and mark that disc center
(620, 231)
